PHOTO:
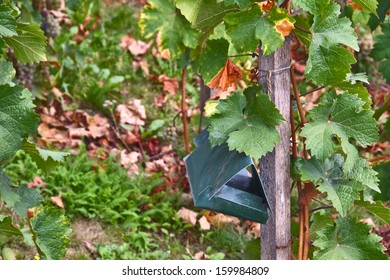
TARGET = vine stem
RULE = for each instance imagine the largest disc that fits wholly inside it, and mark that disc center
(184, 109)
(308, 192)
(299, 183)
(302, 29)
(253, 55)
(313, 90)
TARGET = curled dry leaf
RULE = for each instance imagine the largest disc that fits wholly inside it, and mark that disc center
(266, 6)
(228, 75)
(57, 200)
(187, 215)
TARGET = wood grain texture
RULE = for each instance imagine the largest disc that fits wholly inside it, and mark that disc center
(275, 166)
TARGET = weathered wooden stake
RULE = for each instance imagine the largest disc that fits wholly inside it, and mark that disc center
(275, 167)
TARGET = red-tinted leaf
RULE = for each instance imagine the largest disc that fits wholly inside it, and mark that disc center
(227, 76)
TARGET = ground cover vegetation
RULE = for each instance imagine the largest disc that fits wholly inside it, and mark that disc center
(100, 101)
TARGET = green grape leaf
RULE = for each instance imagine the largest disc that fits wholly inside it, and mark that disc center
(336, 120)
(30, 43)
(246, 121)
(19, 199)
(381, 51)
(241, 3)
(7, 73)
(6, 191)
(176, 31)
(360, 17)
(357, 77)
(319, 222)
(7, 22)
(303, 36)
(377, 209)
(363, 173)
(245, 28)
(204, 15)
(7, 230)
(357, 88)
(328, 63)
(50, 229)
(369, 5)
(213, 59)
(348, 240)
(28, 198)
(383, 7)
(46, 160)
(383, 170)
(17, 119)
(328, 175)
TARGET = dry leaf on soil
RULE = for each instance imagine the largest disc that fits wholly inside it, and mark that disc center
(187, 215)
(221, 219)
(170, 85)
(132, 113)
(204, 223)
(135, 47)
(200, 255)
(129, 161)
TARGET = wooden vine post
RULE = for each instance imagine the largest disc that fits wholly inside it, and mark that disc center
(274, 76)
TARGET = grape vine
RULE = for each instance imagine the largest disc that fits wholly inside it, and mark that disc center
(23, 43)
(215, 36)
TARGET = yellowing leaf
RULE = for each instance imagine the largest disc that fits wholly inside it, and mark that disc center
(284, 27)
(228, 75)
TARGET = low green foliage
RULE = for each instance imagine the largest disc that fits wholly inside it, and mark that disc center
(104, 190)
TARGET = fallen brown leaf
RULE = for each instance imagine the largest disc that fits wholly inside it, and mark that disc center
(37, 183)
(135, 47)
(204, 223)
(132, 113)
(200, 255)
(221, 219)
(170, 85)
(187, 215)
(57, 200)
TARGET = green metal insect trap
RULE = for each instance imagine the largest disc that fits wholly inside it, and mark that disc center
(225, 181)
